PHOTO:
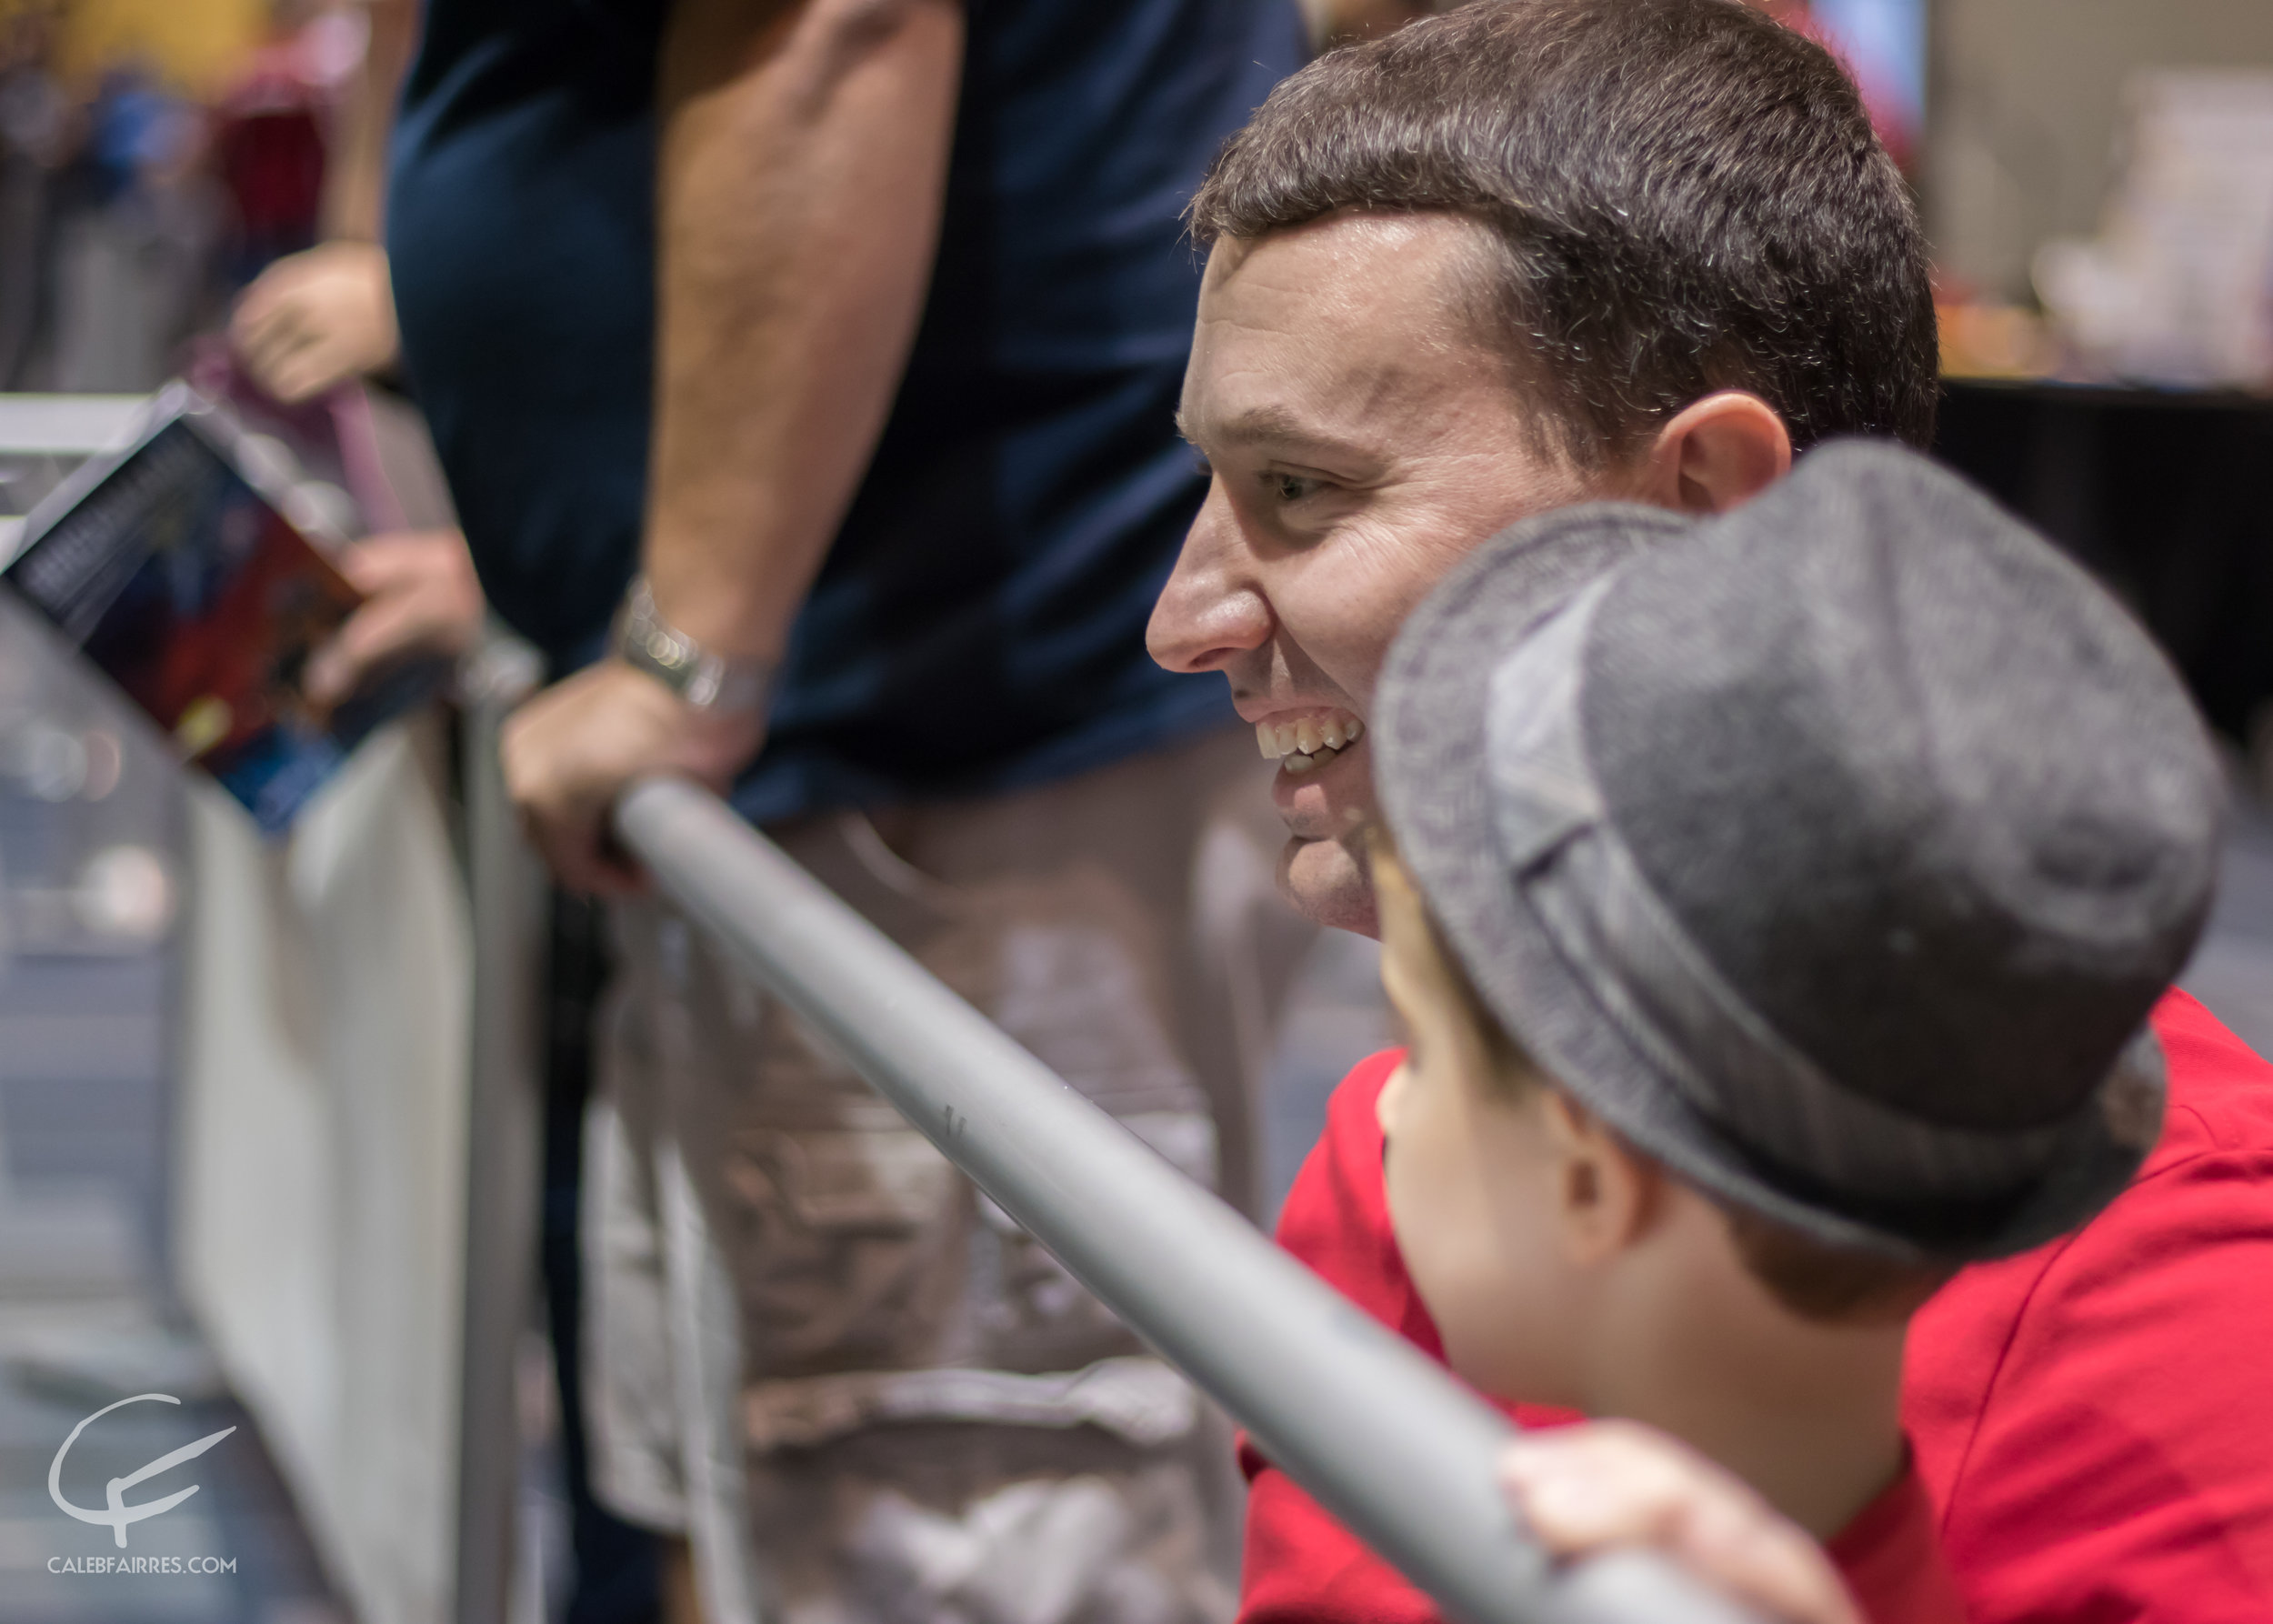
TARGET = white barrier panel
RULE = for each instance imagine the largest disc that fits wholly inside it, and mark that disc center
(323, 1148)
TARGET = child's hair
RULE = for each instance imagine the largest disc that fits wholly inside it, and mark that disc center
(1827, 1284)
(1681, 196)
(1814, 1281)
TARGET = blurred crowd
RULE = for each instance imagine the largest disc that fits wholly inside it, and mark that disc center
(132, 209)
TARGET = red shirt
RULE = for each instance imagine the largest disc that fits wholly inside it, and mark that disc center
(2096, 1435)
(2095, 1418)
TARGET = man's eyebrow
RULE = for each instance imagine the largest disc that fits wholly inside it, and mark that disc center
(1277, 426)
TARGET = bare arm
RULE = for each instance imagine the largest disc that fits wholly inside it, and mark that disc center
(314, 318)
(354, 181)
(803, 160)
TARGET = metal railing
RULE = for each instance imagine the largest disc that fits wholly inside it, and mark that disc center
(1379, 1434)
(503, 1130)
(1385, 1439)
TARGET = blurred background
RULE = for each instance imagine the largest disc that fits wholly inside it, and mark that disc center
(2097, 178)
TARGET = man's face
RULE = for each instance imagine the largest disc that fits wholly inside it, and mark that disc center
(1362, 436)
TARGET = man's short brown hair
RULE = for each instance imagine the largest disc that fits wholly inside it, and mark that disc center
(1684, 194)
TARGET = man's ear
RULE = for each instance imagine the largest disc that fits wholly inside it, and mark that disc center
(1716, 453)
(1606, 1197)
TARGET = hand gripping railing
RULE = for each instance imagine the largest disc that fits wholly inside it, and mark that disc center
(1380, 1435)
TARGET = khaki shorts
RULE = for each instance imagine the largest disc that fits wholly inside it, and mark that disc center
(813, 1347)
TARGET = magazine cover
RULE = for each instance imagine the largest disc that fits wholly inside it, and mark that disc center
(172, 568)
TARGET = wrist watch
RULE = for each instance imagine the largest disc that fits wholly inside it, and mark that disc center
(647, 642)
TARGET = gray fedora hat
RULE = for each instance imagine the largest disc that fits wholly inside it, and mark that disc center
(1833, 850)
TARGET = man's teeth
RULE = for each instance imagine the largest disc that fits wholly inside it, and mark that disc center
(1307, 743)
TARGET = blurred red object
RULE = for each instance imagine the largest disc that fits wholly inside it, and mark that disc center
(1889, 115)
(269, 149)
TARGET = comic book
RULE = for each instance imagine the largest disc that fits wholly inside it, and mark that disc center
(173, 567)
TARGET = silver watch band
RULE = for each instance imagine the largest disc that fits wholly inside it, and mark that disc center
(647, 642)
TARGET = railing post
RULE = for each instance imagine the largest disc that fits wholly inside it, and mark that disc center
(507, 890)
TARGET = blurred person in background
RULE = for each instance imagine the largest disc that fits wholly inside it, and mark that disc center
(1342, 22)
(135, 222)
(316, 318)
(898, 297)
(268, 144)
(310, 322)
(35, 131)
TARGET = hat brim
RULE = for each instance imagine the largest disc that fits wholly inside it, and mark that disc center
(1429, 754)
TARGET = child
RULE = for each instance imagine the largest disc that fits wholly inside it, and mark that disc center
(1776, 922)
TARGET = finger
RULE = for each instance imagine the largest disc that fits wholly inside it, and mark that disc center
(260, 350)
(574, 851)
(628, 876)
(272, 365)
(1583, 1488)
(330, 675)
(1607, 1485)
(255, 304)
(272, 335)
(379, 564)
(1771, 1564)
(248, 327)
(338, 666)
(307, 372)
(388, 626)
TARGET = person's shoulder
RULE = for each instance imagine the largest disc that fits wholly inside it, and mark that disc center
(2210, 1173)
(2221, 1089)
(2210, 1179)
(2090, 1416)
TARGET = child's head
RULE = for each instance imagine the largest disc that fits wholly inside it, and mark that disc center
(1775, 920)
(1541, 1239)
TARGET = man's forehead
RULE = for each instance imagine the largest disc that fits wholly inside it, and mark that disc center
(1308, 335)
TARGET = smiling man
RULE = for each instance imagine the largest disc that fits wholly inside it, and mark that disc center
(1536, 252)
(1562, 251)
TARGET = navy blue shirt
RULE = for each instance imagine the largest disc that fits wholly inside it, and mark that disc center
(978, 623)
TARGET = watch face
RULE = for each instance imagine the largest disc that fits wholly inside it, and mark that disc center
(661, 660)
(703, 680)
(665, 651)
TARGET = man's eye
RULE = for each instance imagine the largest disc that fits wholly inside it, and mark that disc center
(1293, 487)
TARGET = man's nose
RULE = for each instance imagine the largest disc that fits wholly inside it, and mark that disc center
(1213, 609)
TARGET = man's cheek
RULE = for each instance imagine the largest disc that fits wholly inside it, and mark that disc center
(1384, 565)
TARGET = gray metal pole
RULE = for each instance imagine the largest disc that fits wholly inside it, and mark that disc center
(1385, 1439)
(501, 1174)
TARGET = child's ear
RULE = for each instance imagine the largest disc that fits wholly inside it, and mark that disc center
(1605, 1196)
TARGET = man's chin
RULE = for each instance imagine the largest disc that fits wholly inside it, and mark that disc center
(1328, 884)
